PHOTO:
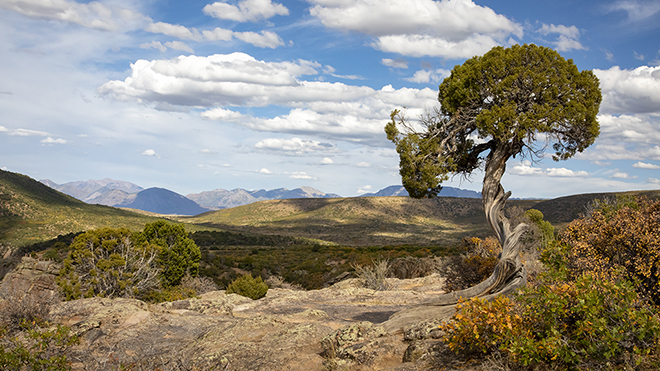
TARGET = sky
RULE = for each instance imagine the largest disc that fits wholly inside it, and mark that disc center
(260, 94)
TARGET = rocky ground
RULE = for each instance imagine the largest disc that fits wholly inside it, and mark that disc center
(336, 328)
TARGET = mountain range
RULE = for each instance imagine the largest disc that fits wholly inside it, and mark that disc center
(117, 193)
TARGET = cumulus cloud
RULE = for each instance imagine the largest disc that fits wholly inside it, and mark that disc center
(448, 28)
(245, 10)
(630, 91)
(150, 152)
(622, 175)
(644, 165)
(218, 82)
(294, 146)
(3, 129)
(427, 76)
(92, 15)
(300, 175)
(174, 30)
(395, 63)
(526, 168)
(655, 181)
(630, 128)
(207, 151)
(327, 161)
(363, 164)
(265, 171)
(567, 39)
(51, 140)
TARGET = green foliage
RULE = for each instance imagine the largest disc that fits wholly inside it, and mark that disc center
(544, 226)
(36, 348)
(507, 97)
(619, 238)
(107, 262)
(178, 254)
(253, 288)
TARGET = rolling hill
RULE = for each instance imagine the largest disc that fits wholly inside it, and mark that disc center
(365, 221)
(32, 212)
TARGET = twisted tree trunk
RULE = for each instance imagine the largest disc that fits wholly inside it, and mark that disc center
(508, 275)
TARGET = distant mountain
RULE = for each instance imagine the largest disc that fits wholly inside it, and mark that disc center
(163, 201)
(222, 198)
(444, 192)
(96, 191)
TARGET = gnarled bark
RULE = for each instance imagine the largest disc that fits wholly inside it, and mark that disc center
(508, 275)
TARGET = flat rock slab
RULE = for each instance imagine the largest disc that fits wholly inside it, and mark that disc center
(282, 331)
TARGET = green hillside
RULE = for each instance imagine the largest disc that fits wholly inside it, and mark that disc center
(364, 221)
(33, 212)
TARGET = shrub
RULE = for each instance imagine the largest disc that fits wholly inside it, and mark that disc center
(585, 323)
(106, 262)
(618, 237)
(413, 267)
(373, 276)
(37, 348)
(253, 288)
(473, 266)
(178, 254)
(27, 340)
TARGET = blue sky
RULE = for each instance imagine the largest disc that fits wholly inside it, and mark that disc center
(199, 95)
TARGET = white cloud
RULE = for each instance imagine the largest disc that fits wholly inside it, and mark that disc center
(94, 14)
(363, 164)
(245, 10)
(653, 181)
(295, 145)
(265, 39)
(300, 175)
(622, 175)
(150, 152)
(427, 76)
(636, 10)
(526, 168)
(265, 171)
(28, 132)
(51, 140)
(327, 161)
(567, 39)
(364, 189)
(207, 151)
(179, 45)
(644, 165)
(217, 82)
(630, 91)
(395, 63)
(154, 45)
(175, 30)
(3, 129)
(630, 128)
(449, 28)
(218, 34)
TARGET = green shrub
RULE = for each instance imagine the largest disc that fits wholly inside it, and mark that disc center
(253, 288)
(36, 348)
(107, 262)
(178, 254)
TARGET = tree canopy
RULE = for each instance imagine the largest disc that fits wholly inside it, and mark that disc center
(507, 101)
